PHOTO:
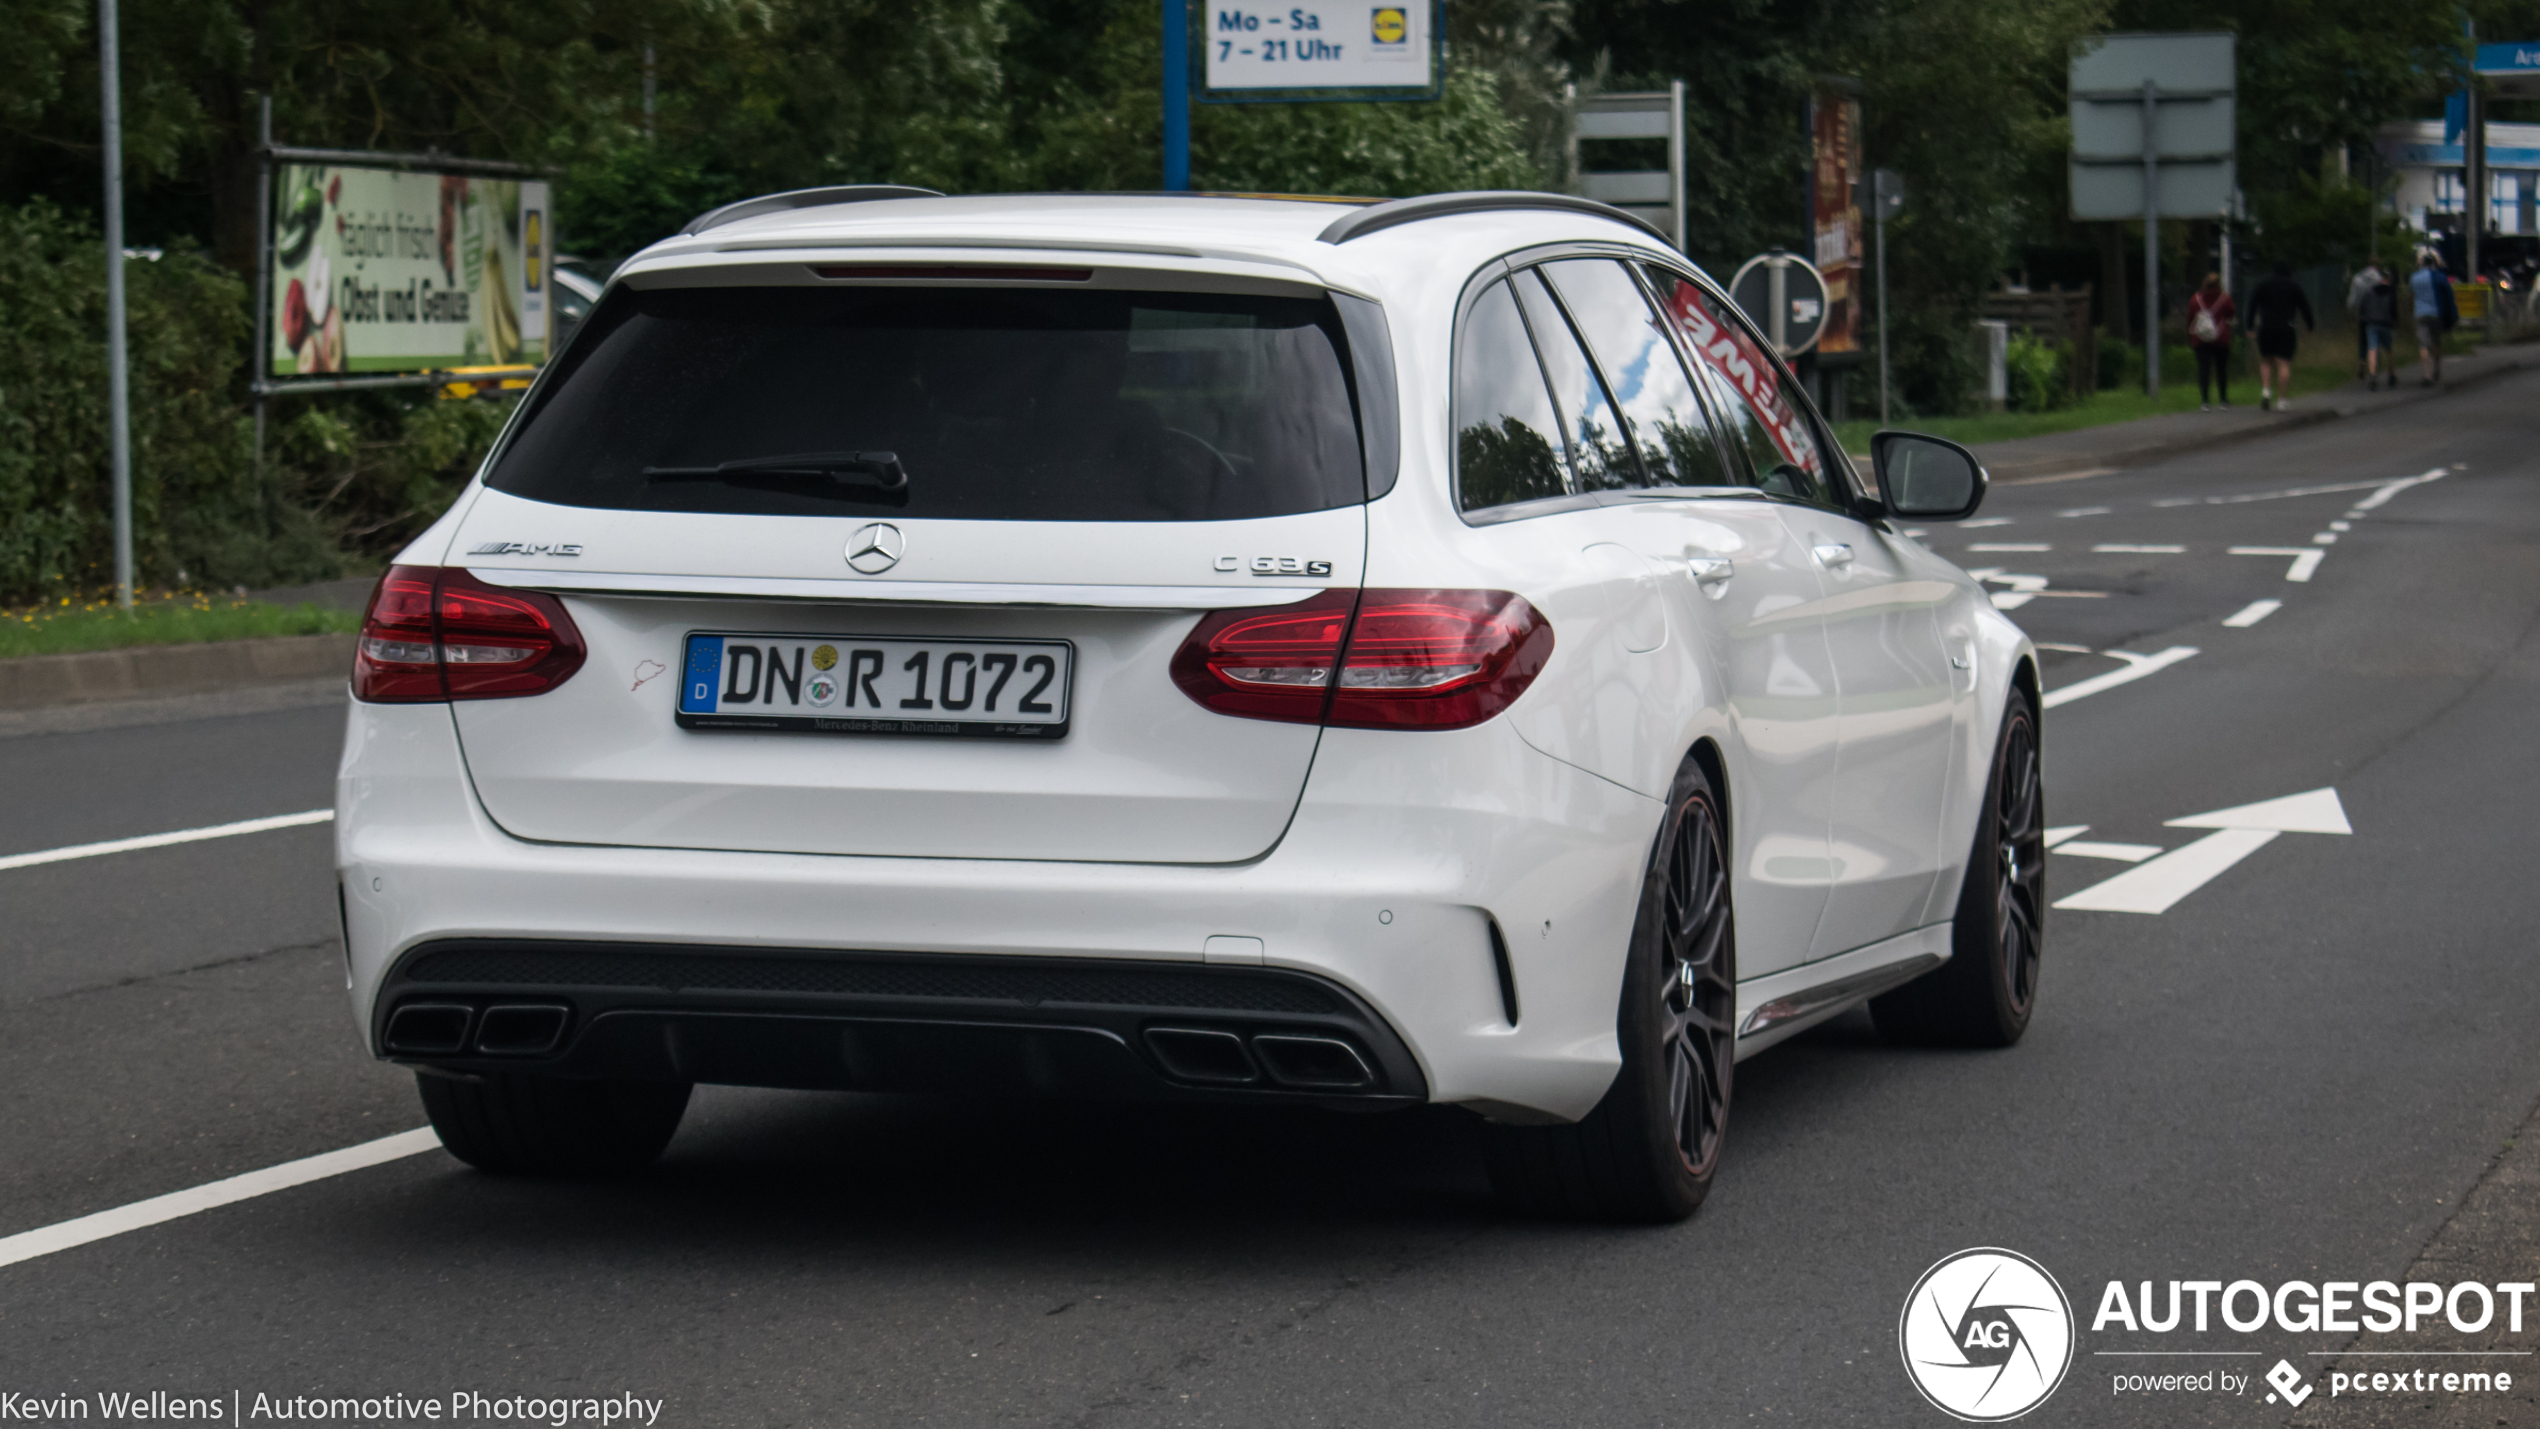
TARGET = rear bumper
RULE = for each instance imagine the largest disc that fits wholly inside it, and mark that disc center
(1407, 851)
(821, 1018)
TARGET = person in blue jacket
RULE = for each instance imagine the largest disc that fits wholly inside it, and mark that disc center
(2436, 311)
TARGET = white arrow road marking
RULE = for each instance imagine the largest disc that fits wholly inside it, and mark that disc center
(2157, 886)
(2122, 853)
(2023, 589)
(27, 1245)
(2136, 667)
(181, 836)
(2056, 836)
(2306, 559)
(2252, 613)
(2317, 812)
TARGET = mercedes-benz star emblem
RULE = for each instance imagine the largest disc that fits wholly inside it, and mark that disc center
(876, 548)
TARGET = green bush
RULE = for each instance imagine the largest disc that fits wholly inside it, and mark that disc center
(347, 477)
(2040, 374)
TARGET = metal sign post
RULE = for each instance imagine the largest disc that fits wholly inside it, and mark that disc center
(2155, 135)
(1177, 95)
(118, 385)
(1887, 197)
(1658, 198)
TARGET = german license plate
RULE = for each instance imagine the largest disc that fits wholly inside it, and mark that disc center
(863, 684)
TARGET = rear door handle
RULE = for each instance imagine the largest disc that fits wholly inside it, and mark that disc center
(1710, 570)
(1834, 553)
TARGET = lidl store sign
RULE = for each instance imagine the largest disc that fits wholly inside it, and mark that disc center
(1353, 45)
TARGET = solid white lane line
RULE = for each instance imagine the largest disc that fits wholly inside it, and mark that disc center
(2136, 667)
(181, 836)
(2252, 613)
(2393, 488)
(2381, 491)
(2122, 853)
(2056, 836)
(2143, 550)
(2086, 511)
(2155, 886)
(2306, 559)
(1987, 521)
(2069, 649)
(2010, 546)
(27, 1245)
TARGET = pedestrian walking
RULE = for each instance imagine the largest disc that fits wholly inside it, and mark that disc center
(2376, 314)
(2209, 318)
(2436, 312)
(2272, 309)
(2357, 290)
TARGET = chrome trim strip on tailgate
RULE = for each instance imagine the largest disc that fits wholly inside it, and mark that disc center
(1078, 597)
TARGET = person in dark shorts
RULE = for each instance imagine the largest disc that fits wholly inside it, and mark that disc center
(2430, 295)
(2209, 319)
(2272, 309)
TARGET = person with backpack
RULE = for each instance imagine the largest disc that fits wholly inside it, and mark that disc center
(2272, 309)
(2437, 312)
(2376, 313)
(2209, 316)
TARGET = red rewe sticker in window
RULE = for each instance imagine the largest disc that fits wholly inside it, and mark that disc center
(1726, 349)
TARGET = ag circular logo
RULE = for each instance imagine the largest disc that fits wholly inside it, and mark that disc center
(1987, 1335)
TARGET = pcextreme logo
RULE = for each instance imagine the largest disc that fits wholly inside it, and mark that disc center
(1986, 1335)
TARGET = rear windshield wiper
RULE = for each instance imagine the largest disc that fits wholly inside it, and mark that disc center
(881, 470)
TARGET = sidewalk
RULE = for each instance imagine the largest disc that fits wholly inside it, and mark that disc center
(2091, 451)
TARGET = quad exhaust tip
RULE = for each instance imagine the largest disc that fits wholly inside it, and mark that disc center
(1215, 1057)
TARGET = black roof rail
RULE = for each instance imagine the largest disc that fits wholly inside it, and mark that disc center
(801, 198)
(1412, 210)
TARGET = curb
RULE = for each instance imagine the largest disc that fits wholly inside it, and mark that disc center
(38, 680)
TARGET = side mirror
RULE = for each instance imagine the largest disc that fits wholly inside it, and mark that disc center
(1927, 478)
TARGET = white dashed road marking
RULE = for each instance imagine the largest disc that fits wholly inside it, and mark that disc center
(2306, 559)
(181, 836)
(2252, 613)
(2142, 550)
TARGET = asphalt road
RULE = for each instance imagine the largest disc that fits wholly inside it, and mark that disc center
(2296, 1072)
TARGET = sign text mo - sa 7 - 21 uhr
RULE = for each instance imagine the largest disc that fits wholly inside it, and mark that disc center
(1350, 45)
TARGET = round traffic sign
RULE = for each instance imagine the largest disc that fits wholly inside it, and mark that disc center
(1785, 297)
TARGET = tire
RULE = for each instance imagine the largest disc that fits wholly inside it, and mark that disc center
(523, 1124)
(1983, 995)
(1648, 1151)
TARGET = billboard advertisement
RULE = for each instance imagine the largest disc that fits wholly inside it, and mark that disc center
(380, 270)
(1834, 213)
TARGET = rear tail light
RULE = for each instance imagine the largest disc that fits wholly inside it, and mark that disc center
(1375, 659)
(437, 633)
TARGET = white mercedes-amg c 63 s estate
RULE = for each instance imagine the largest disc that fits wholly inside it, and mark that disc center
(1180, 647)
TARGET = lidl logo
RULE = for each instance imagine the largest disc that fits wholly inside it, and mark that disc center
(1392, 25)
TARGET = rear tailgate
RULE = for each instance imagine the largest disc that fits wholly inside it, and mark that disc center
(682, 582)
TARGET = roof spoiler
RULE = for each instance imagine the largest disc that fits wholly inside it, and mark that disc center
(1413, 210)
(801, 198)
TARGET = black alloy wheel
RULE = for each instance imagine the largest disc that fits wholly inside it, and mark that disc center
(1983, 996)
(1649, 1150)
(1698, 988)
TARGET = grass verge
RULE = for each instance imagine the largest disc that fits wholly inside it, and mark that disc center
(2323, 363)
(72, 624)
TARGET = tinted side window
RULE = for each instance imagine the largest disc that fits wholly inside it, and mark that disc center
(1667, 421)
(1600, 445)
(1764, 419)
(1507, 437)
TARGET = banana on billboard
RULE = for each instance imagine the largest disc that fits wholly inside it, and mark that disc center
(378, 270)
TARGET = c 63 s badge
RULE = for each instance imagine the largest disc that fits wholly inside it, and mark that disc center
(1273, 566)
(518, 548)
